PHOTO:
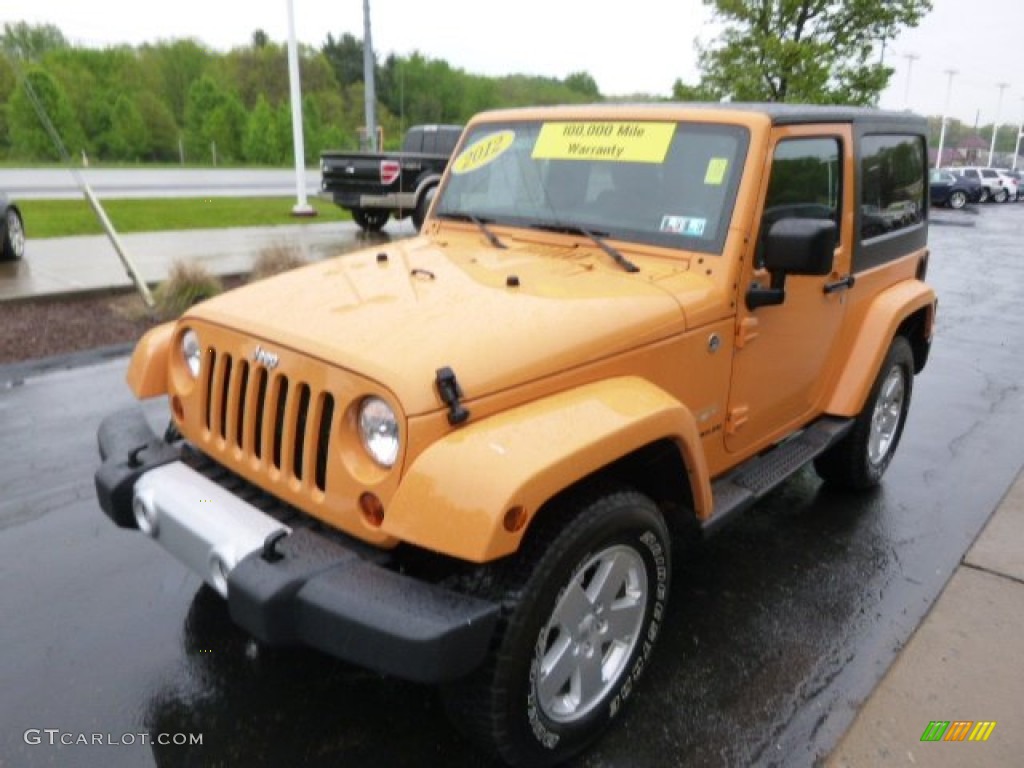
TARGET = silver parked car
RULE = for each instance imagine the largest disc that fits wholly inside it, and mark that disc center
(12, 230)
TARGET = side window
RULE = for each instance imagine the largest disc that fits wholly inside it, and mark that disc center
(806, 181)
(892, 184)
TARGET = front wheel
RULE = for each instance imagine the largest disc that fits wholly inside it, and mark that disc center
(957, 199)
(368, 220)
(583, 604)
(859, 460)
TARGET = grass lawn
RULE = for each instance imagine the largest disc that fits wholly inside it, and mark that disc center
(65, 218)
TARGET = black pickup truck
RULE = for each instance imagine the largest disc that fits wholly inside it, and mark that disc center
(375, 186)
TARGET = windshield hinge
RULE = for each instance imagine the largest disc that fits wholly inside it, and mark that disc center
(450, 391)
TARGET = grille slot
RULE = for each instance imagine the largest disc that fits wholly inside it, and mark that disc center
(281, 401)
(255, 412)
(261, 404)
(323, 440)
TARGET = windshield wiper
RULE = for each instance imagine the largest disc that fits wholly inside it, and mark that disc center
(480, 223)
(597, 237)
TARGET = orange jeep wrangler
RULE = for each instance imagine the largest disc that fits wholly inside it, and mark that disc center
(458, 458)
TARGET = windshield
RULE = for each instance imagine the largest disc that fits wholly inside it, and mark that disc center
(662, 183)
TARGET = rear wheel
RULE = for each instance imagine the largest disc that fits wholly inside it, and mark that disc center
(420, 214)
(957, 199)
(583, 603)
(14, 236)
(1001, 195)
(859, 460)
(370, 221)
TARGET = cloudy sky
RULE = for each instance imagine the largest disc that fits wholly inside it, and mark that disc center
(643, 50)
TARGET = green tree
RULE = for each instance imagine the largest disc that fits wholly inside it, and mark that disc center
(815, 51)
(584, 84)
(29, 138)
(345, 57)
(31, 42)
(129, 137)
(163, 131)
(260, 143)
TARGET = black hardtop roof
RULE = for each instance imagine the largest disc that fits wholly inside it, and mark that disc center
(778, 113)
(796, 114)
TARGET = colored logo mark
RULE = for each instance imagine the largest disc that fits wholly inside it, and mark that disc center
(958, 730)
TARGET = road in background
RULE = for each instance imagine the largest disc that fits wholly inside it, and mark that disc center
(777, 630)
(59, 184)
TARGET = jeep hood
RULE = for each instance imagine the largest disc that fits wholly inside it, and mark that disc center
(497, 318)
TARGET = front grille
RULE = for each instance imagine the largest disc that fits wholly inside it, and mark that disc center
(263, 414)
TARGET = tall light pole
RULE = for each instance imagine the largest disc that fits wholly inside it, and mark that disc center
(945, 117)
(368, 82)
(302, 207)
(995, 127)
(1020, 134)
(911, 58)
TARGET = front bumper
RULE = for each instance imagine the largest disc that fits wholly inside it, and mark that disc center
(284, 584)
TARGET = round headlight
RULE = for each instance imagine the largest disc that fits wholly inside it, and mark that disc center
(192, 352)
(379, 429)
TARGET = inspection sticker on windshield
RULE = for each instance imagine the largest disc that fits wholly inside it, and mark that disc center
(483, 151)
(715, 174)
(690, 226)
(622, 142)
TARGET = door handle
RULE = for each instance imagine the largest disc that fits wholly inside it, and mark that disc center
(841, 284)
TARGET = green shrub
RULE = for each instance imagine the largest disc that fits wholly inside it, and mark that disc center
(275, 259)
(185, 286)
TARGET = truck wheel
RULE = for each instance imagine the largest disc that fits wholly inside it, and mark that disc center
(583, 602)
(422, 207)
(14, 236)
(860, 459)
(1001, 196)
(957, 199)
(370, 221)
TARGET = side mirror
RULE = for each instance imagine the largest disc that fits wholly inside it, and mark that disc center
(793, 246)
(800, 246)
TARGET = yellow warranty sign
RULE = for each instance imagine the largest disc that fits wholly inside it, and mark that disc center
(483, 151)
(622, 142)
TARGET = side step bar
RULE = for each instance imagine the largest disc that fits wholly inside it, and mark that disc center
(740, 489)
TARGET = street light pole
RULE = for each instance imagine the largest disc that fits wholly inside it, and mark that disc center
(911, 58)
(302, 206)
(945, 117)
(370, 95)
(1020, 133)
(995, 127)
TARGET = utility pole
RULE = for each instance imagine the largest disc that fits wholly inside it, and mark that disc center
(995, 127)
(945, 116)
(910, 58)
(370, 88)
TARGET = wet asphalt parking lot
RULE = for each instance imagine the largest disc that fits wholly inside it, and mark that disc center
(778, 628)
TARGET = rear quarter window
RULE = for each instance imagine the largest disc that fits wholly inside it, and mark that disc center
(893, 197)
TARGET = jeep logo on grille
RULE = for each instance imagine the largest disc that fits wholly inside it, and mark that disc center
(265, 357)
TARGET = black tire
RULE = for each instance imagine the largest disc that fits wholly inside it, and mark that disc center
(370, 221)
(558, 622)
(859, 460)
(1001, 195)
(985, 196)
(14, 235)
(957, 199)
(420, 214)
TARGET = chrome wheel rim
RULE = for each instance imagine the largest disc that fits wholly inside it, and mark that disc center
(583, 649)
(885, 419)
(16, 234)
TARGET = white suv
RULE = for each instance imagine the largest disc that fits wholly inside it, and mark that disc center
(993, 185)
